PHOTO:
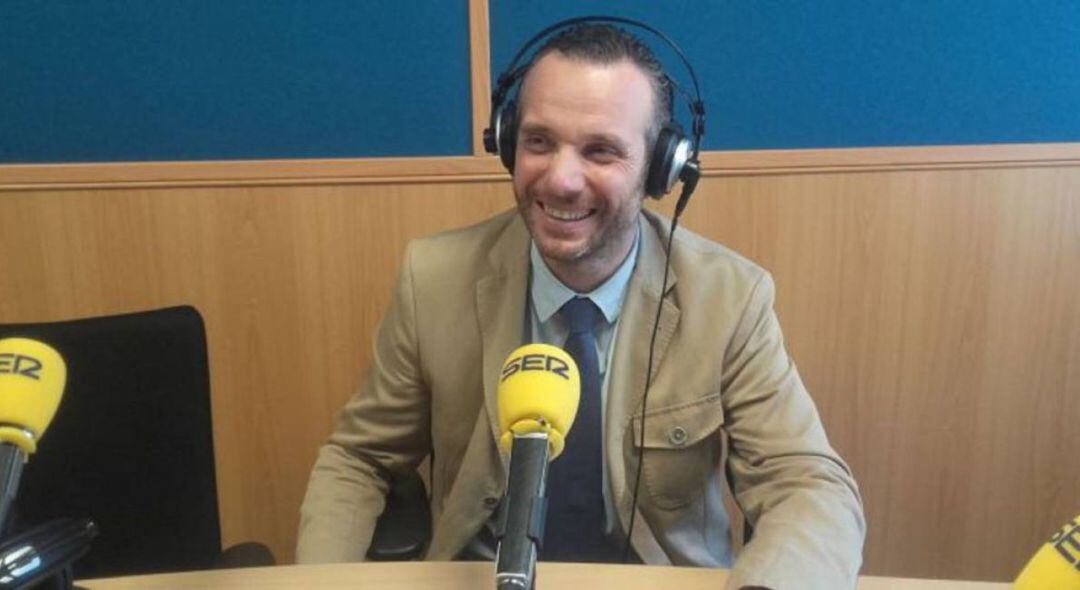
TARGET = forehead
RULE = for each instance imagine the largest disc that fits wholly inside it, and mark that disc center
(573, 94)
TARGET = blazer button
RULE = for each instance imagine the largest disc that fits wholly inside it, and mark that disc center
(678, 436)
(491, 501)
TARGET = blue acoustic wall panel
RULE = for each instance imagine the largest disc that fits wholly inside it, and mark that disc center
(107, 80)
(799, 74)
(114, 80)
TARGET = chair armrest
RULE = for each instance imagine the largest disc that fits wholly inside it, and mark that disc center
(404, 528)
(249, 554)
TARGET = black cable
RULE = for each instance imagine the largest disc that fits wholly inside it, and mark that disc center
(688, 187)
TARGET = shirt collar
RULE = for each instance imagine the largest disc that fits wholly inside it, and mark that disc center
(549, 293)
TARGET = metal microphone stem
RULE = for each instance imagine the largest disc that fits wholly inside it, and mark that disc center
(520, 526)
(12, 459)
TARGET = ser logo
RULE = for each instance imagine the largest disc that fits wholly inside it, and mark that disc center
(20, 364)
(1067, 542)
(536, 362)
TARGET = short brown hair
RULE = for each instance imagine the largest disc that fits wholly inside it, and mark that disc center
(605, 44)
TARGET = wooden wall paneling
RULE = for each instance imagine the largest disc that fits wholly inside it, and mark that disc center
(931, 312)
(933, 317)
(291, 282)
(232, 173)
(479, 71)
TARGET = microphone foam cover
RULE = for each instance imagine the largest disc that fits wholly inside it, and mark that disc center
(539, 389)
(32, 378)
(1056, 564)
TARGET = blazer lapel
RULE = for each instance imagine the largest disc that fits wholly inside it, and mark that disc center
(500, 308)
(630, 360)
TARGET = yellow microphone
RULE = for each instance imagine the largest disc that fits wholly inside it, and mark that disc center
(539, 391)
(32, 379)
(538, 394)
(1056, 565)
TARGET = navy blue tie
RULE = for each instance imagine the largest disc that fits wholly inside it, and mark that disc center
(575, 523)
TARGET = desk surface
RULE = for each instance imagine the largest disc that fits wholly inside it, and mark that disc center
(470, 576)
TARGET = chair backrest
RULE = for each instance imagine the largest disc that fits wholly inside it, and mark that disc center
(131, 445)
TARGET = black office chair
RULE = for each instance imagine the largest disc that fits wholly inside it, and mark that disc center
(131, 446)
(403, 530)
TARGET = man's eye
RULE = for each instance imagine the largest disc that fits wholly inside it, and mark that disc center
(602, 153)
(535, 142)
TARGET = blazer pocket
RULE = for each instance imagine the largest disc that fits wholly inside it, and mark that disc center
(681, 449)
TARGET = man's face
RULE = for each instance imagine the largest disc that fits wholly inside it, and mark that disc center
(580, 165)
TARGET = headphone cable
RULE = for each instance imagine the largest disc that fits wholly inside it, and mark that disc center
(687, 189)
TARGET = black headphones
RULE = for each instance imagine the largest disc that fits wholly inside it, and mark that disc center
(674, 156)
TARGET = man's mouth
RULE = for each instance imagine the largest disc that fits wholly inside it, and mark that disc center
(565, 214)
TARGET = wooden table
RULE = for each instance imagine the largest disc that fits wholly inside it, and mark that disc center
(470, 576)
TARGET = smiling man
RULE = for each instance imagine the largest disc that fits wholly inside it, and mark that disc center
(580, 261)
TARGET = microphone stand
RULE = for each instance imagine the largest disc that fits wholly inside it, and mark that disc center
(520, 524)
(12, 459)
(40, 557)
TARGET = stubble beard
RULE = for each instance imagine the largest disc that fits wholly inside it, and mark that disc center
(598, 248)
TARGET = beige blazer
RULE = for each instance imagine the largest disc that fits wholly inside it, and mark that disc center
(723, 386)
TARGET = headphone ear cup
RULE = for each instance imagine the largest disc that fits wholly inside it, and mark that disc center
(660, 178)
(507, 135)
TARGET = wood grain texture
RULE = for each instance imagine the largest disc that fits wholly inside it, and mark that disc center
(470, 576)
(479, 71)
(936, 157)
(22, 177)
(932, 314)
(291, 283)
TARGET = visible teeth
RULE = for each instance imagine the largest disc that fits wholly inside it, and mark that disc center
(565, 215)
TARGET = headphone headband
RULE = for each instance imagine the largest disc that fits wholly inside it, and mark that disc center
(514, 72)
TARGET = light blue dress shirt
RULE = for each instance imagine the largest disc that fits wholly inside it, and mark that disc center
(547, 294)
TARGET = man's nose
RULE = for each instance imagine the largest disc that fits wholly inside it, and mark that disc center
(566, 176)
